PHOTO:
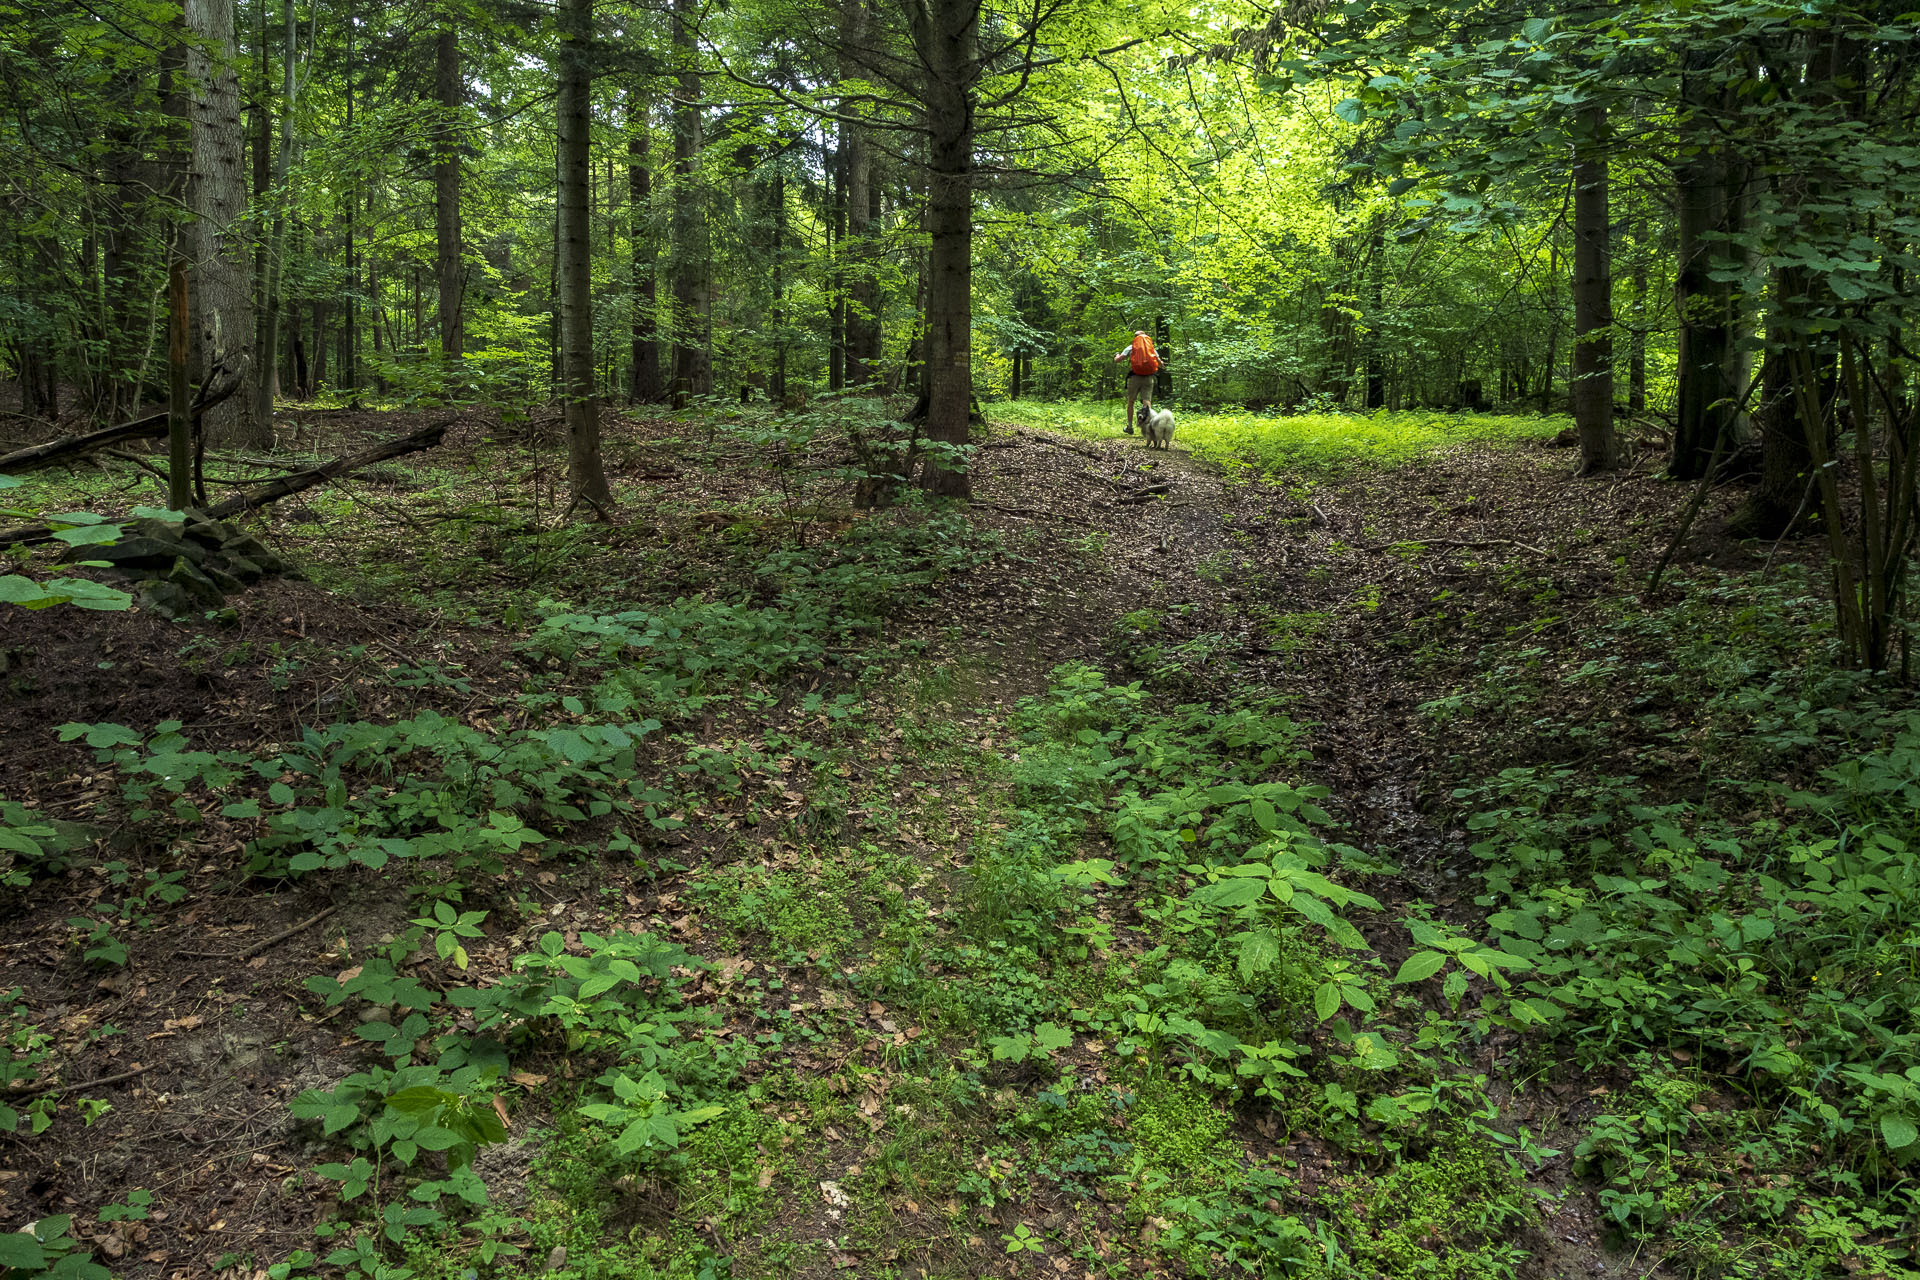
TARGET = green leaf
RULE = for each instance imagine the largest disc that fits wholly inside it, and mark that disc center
(1352, 110)
(1258, 950)
(18, 1249)
(89, 535)
(435, 1138)
(1229, 893)
(1899, 1132)
(1326, 1000)
(1420, 966)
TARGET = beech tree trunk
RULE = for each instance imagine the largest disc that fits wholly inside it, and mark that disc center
(274, 282)
(644, 382)
(692, 265)
(223, 317)
(1593, 302)
(582, 411)
(449, 91)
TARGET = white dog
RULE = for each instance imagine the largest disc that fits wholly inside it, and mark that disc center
(1157, 426)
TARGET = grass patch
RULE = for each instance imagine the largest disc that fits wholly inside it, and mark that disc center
(1322, 443)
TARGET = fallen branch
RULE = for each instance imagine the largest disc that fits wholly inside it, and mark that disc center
(300, 481)
(1134, 497)
(1026, 513)
(154, 425)
(264, 943)
(117, 1078)
(1454, 542)
(1062, 444)
(282, 486)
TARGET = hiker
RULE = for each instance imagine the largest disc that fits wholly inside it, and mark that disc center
(1143, 364)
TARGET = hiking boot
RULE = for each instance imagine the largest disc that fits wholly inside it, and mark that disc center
(1129, 428)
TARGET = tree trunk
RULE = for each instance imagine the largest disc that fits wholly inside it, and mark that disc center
(862, 294)
(692, 265)
(777, 385)
(1712, 372)
(1593, 301)
(449, 94)
(582, 410)
(837, 267)
(1637, 344)
(350, 322)
(223, 329)
(644, 383)
(276, 257)
(946, 35)
(1163, 380)
(1376, 341)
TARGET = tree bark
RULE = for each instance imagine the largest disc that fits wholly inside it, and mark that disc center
(645, 384)
(1376, 291)
(449, 94)
(1637, 344)
(692, 266)
(223, 329)
(946, 34)
(1593, 301)
(274, 283)
(582, 411)
(1712, 373)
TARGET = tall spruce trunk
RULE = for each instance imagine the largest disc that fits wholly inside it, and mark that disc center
(692, 265)
(1593, 302)
(1710, 203)
(223, 319)
(947, 34)
(449, 91)
(582, 410)
(644, 382)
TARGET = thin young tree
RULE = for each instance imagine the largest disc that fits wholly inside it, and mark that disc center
(449, 94)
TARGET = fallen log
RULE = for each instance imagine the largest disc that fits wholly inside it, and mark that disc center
(296, 482)
(151, 427)
(282, 486)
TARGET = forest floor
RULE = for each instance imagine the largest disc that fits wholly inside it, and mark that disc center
(760, 887)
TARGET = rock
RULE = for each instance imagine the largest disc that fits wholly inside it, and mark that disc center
(210, 533)
(156, 552)
(227, 583)
(245, 544)
(163, 598)
(244, 569)
(152, 527)
(194, 583)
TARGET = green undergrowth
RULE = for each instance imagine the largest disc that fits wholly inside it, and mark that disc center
(1323, 444)
(1728, 927)
(1157, 961)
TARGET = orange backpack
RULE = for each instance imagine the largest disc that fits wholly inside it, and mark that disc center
(1144, 362)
